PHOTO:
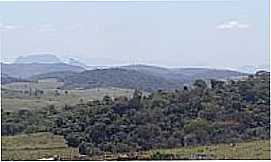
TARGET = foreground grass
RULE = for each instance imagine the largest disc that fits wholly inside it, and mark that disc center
(34, 146)
(42, 145)
(247, 150)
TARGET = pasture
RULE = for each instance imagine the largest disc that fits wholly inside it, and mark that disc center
(44, 145)
(35, 146)
(252, 150)
(17, 96)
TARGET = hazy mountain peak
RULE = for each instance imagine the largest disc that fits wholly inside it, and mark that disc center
(75, 62)
(40, 58)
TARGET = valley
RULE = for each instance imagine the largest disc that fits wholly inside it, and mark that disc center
(57, 110)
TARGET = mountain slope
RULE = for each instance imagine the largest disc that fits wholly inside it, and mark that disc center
(75, 62)
(185, 74)
(59, 75)
(144, 77)
(5, 79)
(205, 73)
(116, 77)
(28, 70)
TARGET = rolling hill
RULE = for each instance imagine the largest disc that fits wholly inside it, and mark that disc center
(6, 79)
(59, 75)
(121, 78)
(185, 74)
(112, 77)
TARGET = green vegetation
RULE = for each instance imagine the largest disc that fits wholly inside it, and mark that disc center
(45, 145)
(121, 78)
(225, 112)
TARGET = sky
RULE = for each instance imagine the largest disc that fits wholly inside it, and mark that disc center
(202, 33)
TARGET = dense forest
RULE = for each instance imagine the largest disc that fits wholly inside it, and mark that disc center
(224, 112)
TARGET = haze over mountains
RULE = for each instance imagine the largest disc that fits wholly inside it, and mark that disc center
(40, 58)
(30, 69)
(75, 74)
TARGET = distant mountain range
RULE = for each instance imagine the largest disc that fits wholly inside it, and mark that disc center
(185, 74)
(6, 79)
(145, 77)
(74, 74)
(24, 70)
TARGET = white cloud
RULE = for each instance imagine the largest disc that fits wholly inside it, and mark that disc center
(46, 28)
(233, 25)
(4, 27)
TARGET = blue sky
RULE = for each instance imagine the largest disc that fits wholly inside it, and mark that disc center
(220, 34)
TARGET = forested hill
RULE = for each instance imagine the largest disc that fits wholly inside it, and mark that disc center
(59, 75)
(226, 112)
(122, 78)
(185, 74)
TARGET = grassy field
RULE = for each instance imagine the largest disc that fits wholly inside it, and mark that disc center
(247, 150)
(14, 98)
(42, 145)
(34, 146)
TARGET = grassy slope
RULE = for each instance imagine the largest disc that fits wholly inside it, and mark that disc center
(34, 146)
(12, 99)
(39, 145)
(247, 150)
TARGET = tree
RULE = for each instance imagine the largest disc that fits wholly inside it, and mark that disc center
(85, 148)
(107, 100)
(81, 101)
(196, 125)
(57, 93)
(73, 139)
(199, 83)
(136, 100)
(216, 84)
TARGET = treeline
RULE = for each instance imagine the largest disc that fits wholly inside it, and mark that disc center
(224, 112)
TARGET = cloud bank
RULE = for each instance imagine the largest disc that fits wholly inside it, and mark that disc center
(4, 27)
(46, 28)
(233, 25)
